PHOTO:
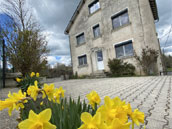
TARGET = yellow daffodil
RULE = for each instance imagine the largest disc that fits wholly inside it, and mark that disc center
(14, 101)
(49, 91)
(117, 102)
(41, 103)
(18, 79)
(61, 92)
(37, 74)
(127, 109)
(18, 97)
(33, 90)
(117, 124)
(56, 98)
(58, 94)
(32, 74)
(90, 122)
(137, 117)
(38, 121)
(8, 103)
(111, 110)
(93, 98)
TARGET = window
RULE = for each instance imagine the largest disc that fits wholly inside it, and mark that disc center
(94, 6)
(124, 49)
(82, 60)
(80, 39)
(99, 56)
(96, 31)
(120, 19)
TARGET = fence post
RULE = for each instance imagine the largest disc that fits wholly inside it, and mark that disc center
(4, 63)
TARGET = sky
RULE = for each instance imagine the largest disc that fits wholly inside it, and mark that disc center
(54, 15)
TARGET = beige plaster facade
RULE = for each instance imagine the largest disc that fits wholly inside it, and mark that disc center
(140, 30)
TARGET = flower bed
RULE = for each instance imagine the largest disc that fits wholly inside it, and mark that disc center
(44, 107)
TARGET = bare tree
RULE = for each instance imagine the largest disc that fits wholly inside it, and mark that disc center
(26, 44)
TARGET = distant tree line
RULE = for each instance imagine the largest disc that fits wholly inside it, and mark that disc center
(167, 61)
(59, 70)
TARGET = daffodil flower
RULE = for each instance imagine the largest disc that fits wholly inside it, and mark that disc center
(58, 94)
(14, 101)
(91, 122)
(18, 79)
(117, 124)
(32, 74)
(113, 109)
(33, 91)
(37, 74)
(137, 117)
(38, 121)
(49, 91)
(93, 98)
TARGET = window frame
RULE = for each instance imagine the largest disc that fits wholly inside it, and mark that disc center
(83, 62)
(123, 44)
(79, 35)
(92, 5)
(94, 27)
(118, 15)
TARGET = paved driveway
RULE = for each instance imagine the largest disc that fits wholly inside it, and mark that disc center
(152, 95)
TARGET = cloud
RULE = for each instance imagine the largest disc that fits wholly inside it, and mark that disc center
(54, 16)
(168, 53)
(65, 60)
(164, 24)
(53, 60)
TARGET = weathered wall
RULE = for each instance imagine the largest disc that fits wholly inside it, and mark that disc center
(141, 30)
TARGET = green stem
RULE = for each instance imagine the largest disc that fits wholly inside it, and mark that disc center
(132, 124)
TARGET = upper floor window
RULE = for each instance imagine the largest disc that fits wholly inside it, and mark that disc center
(124, 49)
(80, 39)
(94, 6)
(120, 19)
(82, 60)
(96, 31)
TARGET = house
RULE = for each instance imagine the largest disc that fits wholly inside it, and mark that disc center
(105, 29)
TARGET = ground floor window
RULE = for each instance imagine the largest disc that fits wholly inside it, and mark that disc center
(82, 60)
(124, 49)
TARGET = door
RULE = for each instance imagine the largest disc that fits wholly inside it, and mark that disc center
(100, 64)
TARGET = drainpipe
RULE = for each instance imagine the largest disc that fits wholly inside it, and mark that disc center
(91, 61)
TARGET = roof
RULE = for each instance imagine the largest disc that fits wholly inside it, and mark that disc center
(154, 9)
(82, 2)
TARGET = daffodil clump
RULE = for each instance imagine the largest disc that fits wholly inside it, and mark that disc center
(113, 114)
(26, 81)
(18, 100)
(53, 94)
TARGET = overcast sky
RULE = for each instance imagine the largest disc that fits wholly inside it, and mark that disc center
(54, 16)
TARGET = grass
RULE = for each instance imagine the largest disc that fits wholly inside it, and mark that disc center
(169, 69)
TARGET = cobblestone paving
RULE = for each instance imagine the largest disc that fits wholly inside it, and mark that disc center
(152, 95)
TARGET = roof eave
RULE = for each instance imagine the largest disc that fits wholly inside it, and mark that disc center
(154, 9)
(74, 16)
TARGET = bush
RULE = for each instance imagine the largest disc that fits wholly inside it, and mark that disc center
(148, 60)
(119, 68)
